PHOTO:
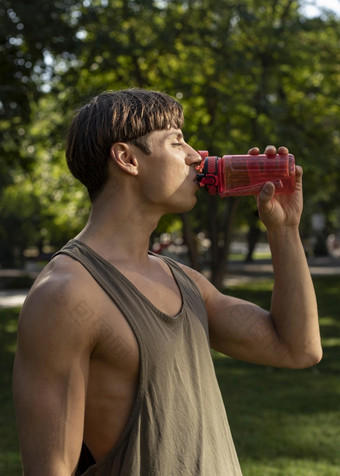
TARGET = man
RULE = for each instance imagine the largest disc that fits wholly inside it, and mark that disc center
(113, 359)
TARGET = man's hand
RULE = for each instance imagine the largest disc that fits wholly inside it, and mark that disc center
(277, 212)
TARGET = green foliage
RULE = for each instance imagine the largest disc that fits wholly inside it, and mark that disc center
(31, 35)
(42, 203)
(248, 73)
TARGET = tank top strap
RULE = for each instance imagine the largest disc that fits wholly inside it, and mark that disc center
(107, 276)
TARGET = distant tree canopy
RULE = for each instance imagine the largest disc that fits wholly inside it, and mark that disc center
(247, 72)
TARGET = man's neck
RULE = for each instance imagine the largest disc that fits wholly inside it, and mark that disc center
(119, 233)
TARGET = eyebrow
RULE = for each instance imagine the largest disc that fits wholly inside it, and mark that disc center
(179, 135)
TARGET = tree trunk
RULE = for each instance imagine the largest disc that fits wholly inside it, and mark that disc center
(222, 242)
(189, 240)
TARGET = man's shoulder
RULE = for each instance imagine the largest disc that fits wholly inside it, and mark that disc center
(204, 285)
(61, 281)
(61, 292)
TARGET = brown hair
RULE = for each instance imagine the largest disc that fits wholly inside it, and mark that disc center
(115, 116)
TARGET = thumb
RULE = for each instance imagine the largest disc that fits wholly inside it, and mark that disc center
(266, 195)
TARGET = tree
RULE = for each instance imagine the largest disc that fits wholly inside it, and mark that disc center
(32, 35)
(248, 73)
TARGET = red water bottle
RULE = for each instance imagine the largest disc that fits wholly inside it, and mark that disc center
(234, 175)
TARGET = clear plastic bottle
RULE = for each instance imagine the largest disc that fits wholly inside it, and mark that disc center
(234, 175)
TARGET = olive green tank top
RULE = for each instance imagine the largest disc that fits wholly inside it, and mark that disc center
(178, 424)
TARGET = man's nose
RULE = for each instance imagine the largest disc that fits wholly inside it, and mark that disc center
(193, 157)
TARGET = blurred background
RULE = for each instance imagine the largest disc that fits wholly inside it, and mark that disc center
(247, 73)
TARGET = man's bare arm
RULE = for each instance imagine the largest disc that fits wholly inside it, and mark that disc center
(287, 335)
(50, 380)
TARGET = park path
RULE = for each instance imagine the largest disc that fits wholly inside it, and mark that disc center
(237, 272)
(241, 272)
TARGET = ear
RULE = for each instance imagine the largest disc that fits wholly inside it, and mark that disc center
(123, 157)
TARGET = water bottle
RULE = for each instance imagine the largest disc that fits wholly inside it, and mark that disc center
(234, 175)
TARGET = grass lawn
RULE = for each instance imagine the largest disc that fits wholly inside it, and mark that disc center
(9, 454)
(284, 422)
(287, 422)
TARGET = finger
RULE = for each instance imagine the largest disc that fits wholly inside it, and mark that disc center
(298, 170)
(270, 150)
(267, 193)
(265, 200)
(283, 150)
(298, 173)
(254, 151)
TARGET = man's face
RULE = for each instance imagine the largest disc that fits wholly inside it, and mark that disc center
(167, 176)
